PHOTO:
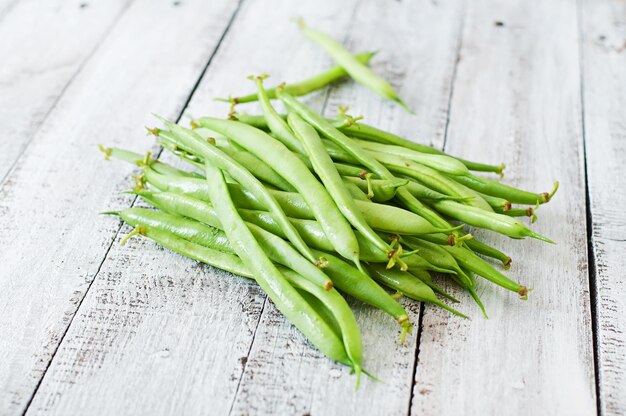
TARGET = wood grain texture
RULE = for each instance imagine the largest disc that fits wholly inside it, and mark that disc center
(604, 93)
(52, 242)
(517, 96)
(41, 54)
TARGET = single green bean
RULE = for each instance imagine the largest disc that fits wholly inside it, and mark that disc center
(423, 192)
(410, 286)
(472, 291)
(278, 126)
(494, 188)
(307, 86)
(498, 204)
(284, 296)
(519, 212)
(367, 132)
(477, 217)
(441, 163)
(355, 191)
(146, 160)
(382, 189)
(358, 71)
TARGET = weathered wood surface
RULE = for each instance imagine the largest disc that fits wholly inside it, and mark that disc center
(604, 92)
(52, 242)
(90, 327)
(41, 54)
(517, 97)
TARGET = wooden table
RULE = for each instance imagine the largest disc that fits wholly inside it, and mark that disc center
(90, 327)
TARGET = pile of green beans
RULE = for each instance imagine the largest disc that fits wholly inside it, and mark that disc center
(316, 209)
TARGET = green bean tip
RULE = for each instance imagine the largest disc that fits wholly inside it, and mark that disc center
(106, 150)
(117, 213)
(507, 263)
(404, 105)
(548, 196)
(523, 293)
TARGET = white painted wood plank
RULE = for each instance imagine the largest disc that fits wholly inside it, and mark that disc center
(52, 241)
(43, 45)
(281, 377)
(517, 98)
(604, 105)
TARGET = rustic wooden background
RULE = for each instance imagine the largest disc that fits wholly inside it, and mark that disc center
(90, 327)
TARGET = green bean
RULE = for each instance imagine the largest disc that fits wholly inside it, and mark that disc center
(425, 277)
(432, 179)
(277, 125)
(345, 277)
(258, 168)
(497, 204)
(347, 144)
(351, 170)
(423, 192)
(320, 308)
(499, 223)
(519, 212)
(486, 250)
(355, 191)
(179, 226)
(382, 189)
(286, 298)
(359, 72)
(365, 159)
(372, 134)
(281, 252)
(472, 291)
(367, 132)
(329, 176)
(434, 254)
(409, 285)
(145, 160)
(187, 139)
(494, 188)
(360, 286)
(290, 167)
(470, 261)
(441, 163)
(310, 230)
(307, 86)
